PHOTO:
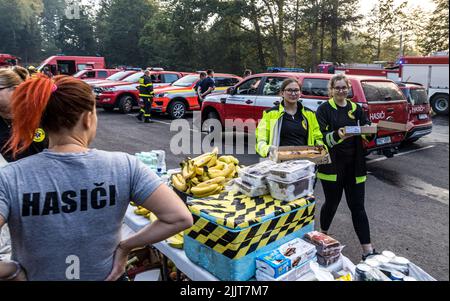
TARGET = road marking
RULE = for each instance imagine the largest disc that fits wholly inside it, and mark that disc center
(168, 123)
(402, 154)
(419, 187)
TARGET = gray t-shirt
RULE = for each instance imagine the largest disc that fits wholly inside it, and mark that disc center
(62, 208)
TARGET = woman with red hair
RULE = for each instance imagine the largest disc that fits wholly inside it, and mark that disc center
(65, 206)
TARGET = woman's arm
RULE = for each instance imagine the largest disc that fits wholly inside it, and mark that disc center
(173, 217)
(263, 136)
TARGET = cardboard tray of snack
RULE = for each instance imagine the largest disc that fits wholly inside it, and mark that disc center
(316, 154)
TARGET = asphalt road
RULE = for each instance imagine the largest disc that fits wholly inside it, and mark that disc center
(407, 197)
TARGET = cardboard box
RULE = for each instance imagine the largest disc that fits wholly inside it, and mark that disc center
(360, 130)
(315, 154)
(392, 126)
(287, 257)
(293, 275)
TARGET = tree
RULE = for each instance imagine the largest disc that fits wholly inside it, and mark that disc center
(123, 26)
(18, 28)
(76, 36)
(435, 35)
(382, 23)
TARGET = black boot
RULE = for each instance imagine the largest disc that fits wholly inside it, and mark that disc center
(148, 120)
(139, 116)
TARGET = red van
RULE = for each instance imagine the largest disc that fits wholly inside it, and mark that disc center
(88, 73)
(419, 110)
(380, 98)
(69, 65)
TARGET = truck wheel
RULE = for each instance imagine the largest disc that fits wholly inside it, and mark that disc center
(177, 109)
(125, 104)
(439, 103)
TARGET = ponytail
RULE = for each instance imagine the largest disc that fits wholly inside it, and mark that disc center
(28, 105)
(53, 104)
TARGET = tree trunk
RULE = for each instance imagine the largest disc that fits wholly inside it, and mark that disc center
(334, 31)
(322, 36)
(314, 46)
(280, 43)
(259, 45)
(295, 34)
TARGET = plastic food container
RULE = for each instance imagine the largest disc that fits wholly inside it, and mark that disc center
(325, 244)
(291, 190)
(328, 260)
(255, 175)
(251, 191)
(292, 170)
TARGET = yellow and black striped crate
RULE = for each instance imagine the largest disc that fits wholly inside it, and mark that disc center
(235, 225)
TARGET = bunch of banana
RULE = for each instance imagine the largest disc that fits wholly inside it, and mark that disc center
(205, 175)
(142, 211)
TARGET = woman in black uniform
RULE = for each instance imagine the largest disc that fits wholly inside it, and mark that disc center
(347, 172)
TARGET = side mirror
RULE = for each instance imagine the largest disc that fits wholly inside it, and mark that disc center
(231, 90)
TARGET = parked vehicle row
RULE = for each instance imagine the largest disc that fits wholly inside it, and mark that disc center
(381, 99)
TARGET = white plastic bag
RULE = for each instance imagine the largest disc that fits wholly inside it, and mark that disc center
(5, 243)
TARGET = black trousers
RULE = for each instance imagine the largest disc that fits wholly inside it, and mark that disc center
(148, 101)
(355, 195)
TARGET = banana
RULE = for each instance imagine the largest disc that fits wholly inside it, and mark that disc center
(219, 166)
(212, 162)
(195, 181)
(204, 178)
(188, 170)
(133, 204)
(179, 182)
(200, 191)
(141, 211)
(218, 180)
(226, 159)
(215, 191)
(199, 171)
(229, 168)
(203, 160)
(176, 241)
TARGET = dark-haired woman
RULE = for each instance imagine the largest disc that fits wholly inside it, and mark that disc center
(288, 124)
(65, 206)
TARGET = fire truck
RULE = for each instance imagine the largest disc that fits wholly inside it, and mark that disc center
(430, 71)
(7, 60)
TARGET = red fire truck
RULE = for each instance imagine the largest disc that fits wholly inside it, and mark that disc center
(69, 65)
(8, 60)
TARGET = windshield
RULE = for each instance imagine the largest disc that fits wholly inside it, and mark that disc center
(134, 78)
(418, 97)
(118, 75)
(79, 73)
(186, 81)
(382, 91)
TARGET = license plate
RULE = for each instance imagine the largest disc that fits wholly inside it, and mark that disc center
(423, 116)
(384, 140)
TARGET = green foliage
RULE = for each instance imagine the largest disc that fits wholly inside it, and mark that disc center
(226, 35)
(435, 34)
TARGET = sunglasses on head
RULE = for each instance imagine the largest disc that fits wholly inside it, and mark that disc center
(10, 87)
